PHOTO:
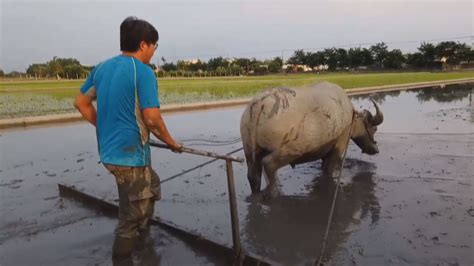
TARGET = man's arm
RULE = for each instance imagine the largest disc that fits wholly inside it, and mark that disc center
(83, 104)
(154, 121)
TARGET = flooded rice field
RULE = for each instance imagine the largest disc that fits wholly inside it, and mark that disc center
(411, 204)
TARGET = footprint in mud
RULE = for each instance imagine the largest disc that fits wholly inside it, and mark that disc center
(30, 163)
(470, 212)
(79, 169)
(13, 184)
(51, 198)
(49, 174)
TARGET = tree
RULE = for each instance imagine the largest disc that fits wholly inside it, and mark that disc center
(220, 70)
(298, 58)
(73, 71)
(55, 68)
(261, 69)
(2, 74)
(315, 59)
(182, 65)
(341, 58)
(274, 66)
(169, 67)
(243, 63)
(278, 61)
(355, 57)
(379, 53)
(198, 66)
(428, 52)
(330, 58)
(452, 51)
(367, 57)
(214, 63)
(255, 65)
(236, 70)
(15, 74)
(416, 60)
(466, 53)
(394, 59)
(37, 70)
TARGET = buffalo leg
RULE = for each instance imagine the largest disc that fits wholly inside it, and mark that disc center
(271, 166)
(330, 162)
(254, 175)
(333, 160)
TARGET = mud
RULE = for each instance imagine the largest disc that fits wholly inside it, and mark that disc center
(412, 204)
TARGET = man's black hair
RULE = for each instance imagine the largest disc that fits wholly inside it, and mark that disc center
(133, 31)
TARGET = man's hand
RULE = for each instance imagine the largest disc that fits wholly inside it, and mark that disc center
(176, 147)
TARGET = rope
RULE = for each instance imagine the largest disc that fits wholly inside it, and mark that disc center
(423, 133)
(208, 142)
(197, 167)
(323, 245)
(212, 144)
(212, 141)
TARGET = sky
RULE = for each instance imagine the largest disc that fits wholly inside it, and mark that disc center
(36, 31)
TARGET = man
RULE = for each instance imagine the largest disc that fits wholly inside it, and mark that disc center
(126, 91)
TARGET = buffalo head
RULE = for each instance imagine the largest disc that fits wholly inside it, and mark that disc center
(364, 128)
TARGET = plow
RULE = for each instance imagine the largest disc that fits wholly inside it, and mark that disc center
(236, 254)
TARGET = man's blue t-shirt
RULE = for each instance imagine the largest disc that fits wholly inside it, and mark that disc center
(123, 86)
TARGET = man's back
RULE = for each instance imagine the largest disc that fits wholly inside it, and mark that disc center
(123, 86)
(127, 95)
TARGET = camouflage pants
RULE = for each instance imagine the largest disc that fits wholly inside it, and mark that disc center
(138, 189)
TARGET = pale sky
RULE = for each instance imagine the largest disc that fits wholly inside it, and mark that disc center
(35, 31)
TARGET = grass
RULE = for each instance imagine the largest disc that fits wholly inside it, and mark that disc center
(28, 98)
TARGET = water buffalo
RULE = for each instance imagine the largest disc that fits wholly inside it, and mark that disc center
(284, 126)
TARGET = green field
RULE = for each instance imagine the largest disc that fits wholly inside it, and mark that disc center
(29, 98)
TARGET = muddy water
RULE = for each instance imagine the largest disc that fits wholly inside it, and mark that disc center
(410, 204)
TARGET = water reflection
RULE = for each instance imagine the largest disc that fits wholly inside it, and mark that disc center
(441, 94)
(145, 252)
(290, 229)
(445, 94)
(379, 97)
(440, 109)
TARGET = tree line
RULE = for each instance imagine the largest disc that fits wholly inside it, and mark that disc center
(68, 68)
(379, 57)
(444, 55)
(220, 66)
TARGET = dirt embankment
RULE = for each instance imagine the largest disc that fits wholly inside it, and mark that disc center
(71, 117)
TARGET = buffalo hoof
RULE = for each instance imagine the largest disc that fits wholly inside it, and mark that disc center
(270, 193)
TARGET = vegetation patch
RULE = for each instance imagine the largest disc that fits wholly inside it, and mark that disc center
(30, 98)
